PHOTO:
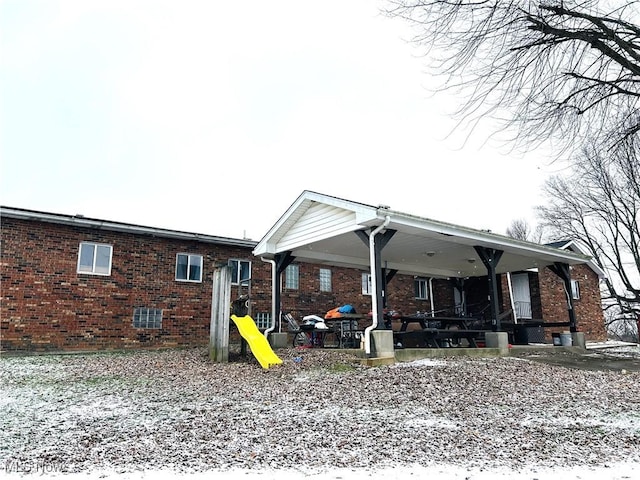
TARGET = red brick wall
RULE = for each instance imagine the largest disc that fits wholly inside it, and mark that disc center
(46, 305)
(588, 308)
(347, 289)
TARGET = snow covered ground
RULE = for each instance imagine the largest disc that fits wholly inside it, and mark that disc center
(319, 416)
(615, 345)
(614, 471)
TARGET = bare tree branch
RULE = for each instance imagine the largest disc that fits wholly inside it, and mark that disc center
(598, 204)
(567, 70)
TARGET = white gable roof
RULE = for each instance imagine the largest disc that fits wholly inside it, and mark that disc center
(320, 229)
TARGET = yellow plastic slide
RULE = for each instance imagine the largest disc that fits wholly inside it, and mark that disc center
(257, 341)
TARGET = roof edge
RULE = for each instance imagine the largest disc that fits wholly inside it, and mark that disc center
(567, 244)
(86, 222)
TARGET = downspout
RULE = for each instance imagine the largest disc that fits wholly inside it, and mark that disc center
(433, 310)
(274, 307)
(374, 285)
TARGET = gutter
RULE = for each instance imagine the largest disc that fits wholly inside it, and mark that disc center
(93, 223)
(374, 285)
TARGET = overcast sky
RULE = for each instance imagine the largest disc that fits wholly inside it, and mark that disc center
(213, 116)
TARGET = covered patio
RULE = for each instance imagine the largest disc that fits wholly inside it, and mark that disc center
(332, 231)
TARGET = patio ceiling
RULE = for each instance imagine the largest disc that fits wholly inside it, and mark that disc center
(321, 229)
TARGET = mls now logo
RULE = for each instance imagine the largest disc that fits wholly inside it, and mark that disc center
(37, 466)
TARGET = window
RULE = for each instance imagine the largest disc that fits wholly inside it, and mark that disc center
(263, 321)
(325, 280)
(147, 318)
(420, 287)
(240, 271)
(189, 267)
(366, 284)
(575, 290)
(292, 277)
(94, 258)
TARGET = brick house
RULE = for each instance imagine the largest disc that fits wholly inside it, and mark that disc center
(75, 283)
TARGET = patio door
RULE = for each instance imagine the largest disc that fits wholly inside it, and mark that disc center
(521, 295)
(459, 302)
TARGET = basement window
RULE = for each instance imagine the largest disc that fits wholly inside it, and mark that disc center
(263, 321)
(147, 318)
(95, 258)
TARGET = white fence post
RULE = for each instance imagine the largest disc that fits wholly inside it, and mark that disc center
(220, 312)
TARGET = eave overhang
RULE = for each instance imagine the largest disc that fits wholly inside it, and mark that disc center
(320, 229)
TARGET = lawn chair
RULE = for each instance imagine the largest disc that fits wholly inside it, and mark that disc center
(301, 337)
(307, 335)
(293, 325)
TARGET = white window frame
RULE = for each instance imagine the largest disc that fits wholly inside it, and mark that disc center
(421, 284)
(367, 289)
(292, 277)
(575, 289)
(95, 246)
(235, 279)
(189, 257)
(325, 279)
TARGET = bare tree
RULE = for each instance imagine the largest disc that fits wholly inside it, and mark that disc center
(521, 230)
(553, 69)
(598, 204)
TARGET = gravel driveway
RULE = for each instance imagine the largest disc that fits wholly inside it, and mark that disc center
(319, 410)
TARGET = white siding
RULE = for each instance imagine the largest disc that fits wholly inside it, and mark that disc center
(320, 221)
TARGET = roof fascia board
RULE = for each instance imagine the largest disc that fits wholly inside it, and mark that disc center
(83, 222)
(469, 236)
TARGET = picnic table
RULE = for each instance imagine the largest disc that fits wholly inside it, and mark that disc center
(462, 323)
(438, 332)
